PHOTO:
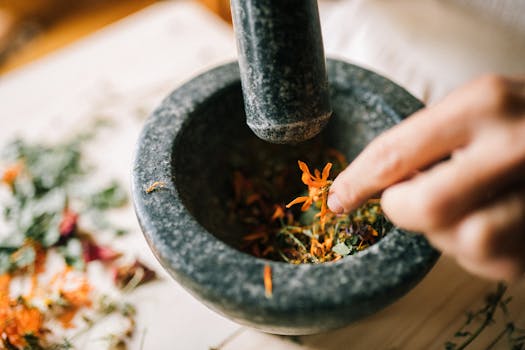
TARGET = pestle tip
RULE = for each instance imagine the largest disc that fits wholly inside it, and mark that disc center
(294, 132)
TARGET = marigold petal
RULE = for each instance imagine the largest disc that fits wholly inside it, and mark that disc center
(317, 184)
(268, 289)
(11, 173)
(303, 167)
(326, 171)
(252, 198)
(278, 213)
(255, 236)
(297, 200)
(307, 204)
(306, 179)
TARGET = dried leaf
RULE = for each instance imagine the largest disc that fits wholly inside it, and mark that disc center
(341, 249)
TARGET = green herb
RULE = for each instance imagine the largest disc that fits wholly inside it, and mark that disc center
(42, 190)
(112, 196)
(73, 255)
(33, 342)
(50, 167)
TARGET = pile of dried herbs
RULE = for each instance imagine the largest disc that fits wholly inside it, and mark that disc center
(45, 207)
(312, 235)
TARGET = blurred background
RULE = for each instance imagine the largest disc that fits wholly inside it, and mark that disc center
(29, 29)
(428, 46)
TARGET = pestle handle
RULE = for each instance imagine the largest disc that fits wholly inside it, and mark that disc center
(282, 66)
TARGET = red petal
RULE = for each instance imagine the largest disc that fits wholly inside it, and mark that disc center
(68, 224)
(93, 251)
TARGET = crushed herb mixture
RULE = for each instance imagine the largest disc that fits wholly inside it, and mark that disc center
(312, 235)
(44, 209)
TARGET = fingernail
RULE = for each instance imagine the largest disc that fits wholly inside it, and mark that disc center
(334, 204)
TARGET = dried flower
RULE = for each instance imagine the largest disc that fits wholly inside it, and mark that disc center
(268, 289)
(68, 224)
(133, 275)
(11, 173)
(74, 290)
(92, 251)
(318, 187)
(278, 213)
(154, 186)
(17, 317)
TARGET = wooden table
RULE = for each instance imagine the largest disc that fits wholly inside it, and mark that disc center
(123, 72)
(77, 24)
(70, 28)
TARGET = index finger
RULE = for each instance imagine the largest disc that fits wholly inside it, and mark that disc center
(421, 140)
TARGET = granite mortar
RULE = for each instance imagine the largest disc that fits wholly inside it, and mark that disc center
(185, 145)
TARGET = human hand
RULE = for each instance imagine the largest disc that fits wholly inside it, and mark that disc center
(456, 172)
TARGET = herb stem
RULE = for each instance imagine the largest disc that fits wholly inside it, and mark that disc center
(489, 316)
(476, 333)
(143, 338)
(134, 282)
(298, 242)
(498, 337)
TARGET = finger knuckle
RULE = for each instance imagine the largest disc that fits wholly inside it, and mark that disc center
(441, 241)
(495, 91)
(387, 160)
(433, 210)
(389, 204)
(476, 239)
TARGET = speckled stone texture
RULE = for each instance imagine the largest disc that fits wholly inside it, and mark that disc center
(189, 142)
(282, 67)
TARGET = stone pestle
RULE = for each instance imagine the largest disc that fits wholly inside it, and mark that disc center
(282, 67)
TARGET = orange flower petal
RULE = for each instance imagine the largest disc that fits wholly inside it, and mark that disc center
(297, 200)
(254, 236)
(326, 171)
(306, 179)
(328, 243)
(312, 183)
(278, 213)
(268, 289)
(307, 204)
(252, 198)
(11, 173)
(304, 167)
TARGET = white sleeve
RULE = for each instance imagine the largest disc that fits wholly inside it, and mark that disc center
(429, 47)
(508, 12)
